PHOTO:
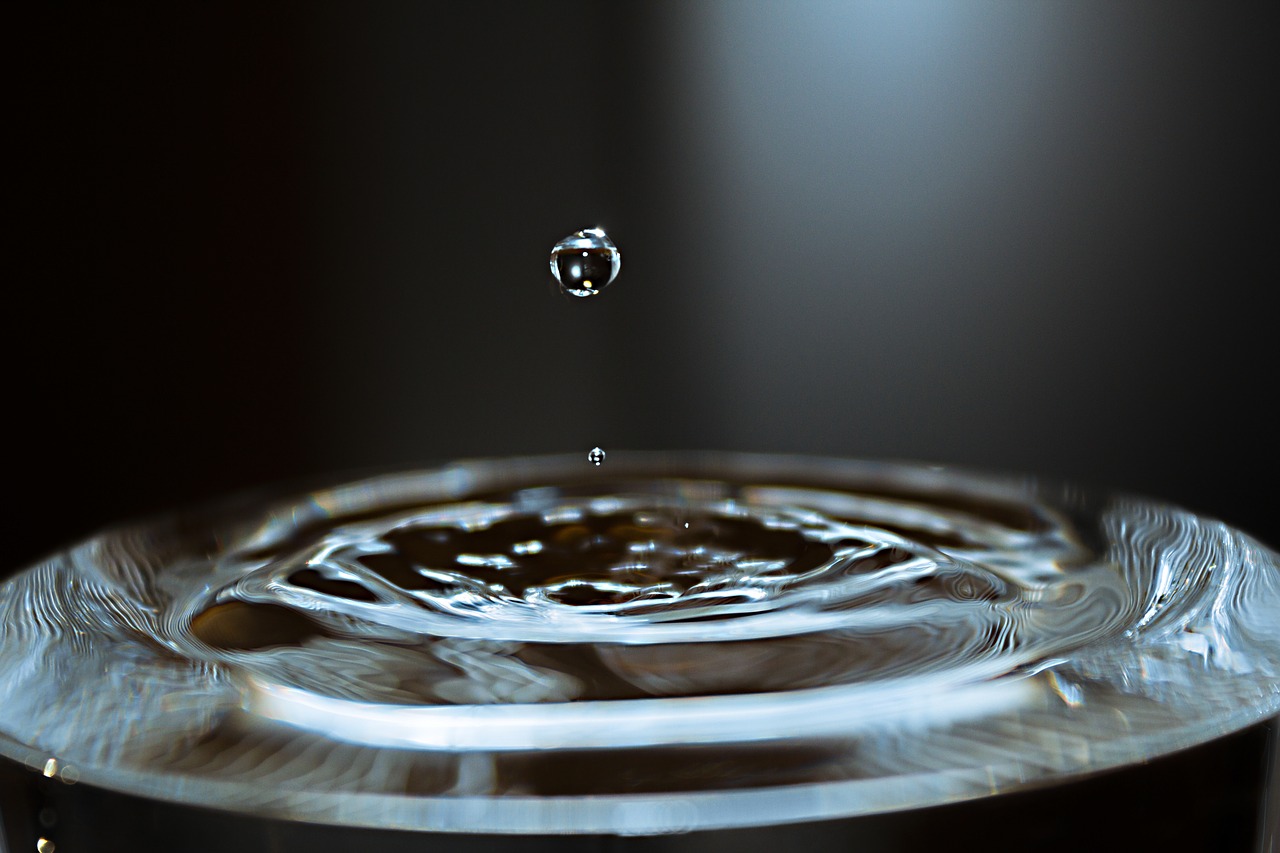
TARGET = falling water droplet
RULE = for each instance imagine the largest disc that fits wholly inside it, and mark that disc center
(596, 456)
(585, 262)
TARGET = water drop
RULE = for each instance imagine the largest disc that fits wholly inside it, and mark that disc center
(585, 262)
(596, 456)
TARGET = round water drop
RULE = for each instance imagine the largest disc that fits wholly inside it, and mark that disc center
(585, 262)
(596, 456)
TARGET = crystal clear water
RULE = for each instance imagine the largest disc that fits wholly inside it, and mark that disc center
(585, 262)
(699, 640)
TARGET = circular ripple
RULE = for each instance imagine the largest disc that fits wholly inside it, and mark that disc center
(552, 595)
(369, 654)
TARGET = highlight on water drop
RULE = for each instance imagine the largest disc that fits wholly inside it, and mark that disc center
(596, 456)
(585, 262)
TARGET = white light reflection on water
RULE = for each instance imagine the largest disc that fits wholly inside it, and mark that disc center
(846, 637)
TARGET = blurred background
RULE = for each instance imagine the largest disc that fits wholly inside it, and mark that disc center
(260, 243)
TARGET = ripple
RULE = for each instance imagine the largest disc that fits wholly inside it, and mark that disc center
(715, 585)
(458, 632)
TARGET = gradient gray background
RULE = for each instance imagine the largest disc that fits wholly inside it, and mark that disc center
(260, 243)
(273, 242)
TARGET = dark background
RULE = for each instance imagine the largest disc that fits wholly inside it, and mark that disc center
(259, 243)
(256, 243)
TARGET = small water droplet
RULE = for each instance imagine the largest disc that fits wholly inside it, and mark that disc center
(44, 845)
(585, 262)
(596, 456)
(51, 768)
